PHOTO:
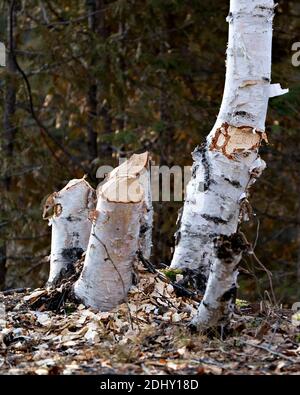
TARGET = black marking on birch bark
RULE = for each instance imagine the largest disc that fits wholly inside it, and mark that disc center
(202, 150)
(200, 282)
(72, 254)
(234, 183)
(177, 236)
(230, 295)
(230, 17)
(178, 223)
(143, 229)
(194, 170)
(216, 220)
(265, 8)
(206, 166)
(60, 291)
(65, 273)
(258, 14)
(243, 114)
(229, 247)
(70, 218)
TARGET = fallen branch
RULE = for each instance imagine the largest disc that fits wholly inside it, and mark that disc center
(15, 290)
(264, 348)
(151, 268)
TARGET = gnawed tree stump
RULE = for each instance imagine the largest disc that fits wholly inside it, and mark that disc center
(138, 166)
(68, 214)
(115, 236)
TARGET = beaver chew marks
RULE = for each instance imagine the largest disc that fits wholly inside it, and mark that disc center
(231, 140)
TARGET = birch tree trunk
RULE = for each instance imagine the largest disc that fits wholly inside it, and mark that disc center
(228, 163)
(115, 236)
(68, 214)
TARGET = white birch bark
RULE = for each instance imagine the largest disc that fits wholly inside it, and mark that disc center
(108, 268)
(68, 212)
(228, 163)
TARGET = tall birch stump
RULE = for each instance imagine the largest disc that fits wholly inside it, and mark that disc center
(115, 237)
(228, 163)
(68, 214)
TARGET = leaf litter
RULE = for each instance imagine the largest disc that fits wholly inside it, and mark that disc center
(44, 332)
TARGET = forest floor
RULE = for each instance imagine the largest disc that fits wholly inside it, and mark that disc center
(146, 335)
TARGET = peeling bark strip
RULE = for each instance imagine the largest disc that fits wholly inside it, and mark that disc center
(114, 241)
(68, 212)
(229, 163)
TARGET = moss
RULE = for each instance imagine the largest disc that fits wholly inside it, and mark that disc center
(171, 273)
(70, 308)
(296, 319)
(242, 303)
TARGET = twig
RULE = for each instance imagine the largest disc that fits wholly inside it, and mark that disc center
(267, 349)
(257, 233)
(15, 290)
(208, 361)
(269, 274)
(147, 264)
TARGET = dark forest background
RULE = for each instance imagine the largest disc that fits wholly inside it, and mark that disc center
(111, 77)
